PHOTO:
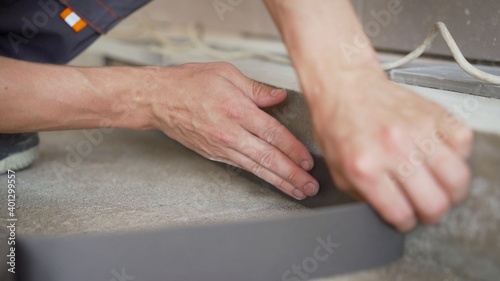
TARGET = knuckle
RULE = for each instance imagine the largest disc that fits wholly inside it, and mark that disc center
(235, 111)
(272, 133)
(224, 64)
(393, 138)
(402, 217)
(464, 137)
(257, 87)
(457, 181)
(461, 185)
(435, 210)
(248, 148)
(361, 167)
(298, 151)
(463, 177)
(223, 67)
(257, 169)
(441, 158)
(221, 136)
(293, 175)
(281, 184)
(268, 159)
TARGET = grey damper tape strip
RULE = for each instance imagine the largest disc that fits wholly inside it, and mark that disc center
(330, 241)
(322, 243)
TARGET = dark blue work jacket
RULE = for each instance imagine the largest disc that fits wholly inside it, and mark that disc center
(35, 30)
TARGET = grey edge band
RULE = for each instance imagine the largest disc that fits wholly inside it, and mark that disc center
(315, 244)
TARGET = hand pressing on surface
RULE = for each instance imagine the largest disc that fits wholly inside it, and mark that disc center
(211, 108)
(215, 110)
(403, 154)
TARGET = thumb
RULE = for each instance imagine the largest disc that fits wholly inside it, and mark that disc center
(264, 96)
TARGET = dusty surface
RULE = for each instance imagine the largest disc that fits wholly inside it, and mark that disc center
(129, 180)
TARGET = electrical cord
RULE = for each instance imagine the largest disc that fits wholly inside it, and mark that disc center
(195, 31)
(440, 27)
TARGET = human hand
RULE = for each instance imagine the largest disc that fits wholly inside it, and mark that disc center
(404, 154)
(213, 109)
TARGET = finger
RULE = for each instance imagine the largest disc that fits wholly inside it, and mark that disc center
(271, 158)
(390, 201)
(351, 191)
(451, 172)
(462, 141)
(262, 172)
(273, 132)
(343, 184)
(456, 134)
(428, 198)
(260, 94)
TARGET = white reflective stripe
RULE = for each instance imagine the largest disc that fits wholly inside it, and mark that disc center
(72, 19)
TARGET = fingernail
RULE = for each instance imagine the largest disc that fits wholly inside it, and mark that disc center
(306, 165)
(407, 226)
(277, 92)
(299, 195)
(311, 189)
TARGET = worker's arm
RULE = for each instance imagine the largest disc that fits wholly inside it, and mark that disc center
(40, 97)
(211, 108)
(403, 154)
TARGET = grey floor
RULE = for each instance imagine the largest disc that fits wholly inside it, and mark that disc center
(128, 180)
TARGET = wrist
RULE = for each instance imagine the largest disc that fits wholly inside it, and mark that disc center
(141, 90)
(123, 96)
(329, 51)
(324, 77)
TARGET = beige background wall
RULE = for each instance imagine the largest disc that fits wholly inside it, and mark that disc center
(474, 23)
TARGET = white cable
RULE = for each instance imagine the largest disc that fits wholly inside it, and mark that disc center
(440, 27)
(195, 35)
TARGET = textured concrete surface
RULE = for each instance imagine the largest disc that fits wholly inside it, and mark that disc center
(101, 181)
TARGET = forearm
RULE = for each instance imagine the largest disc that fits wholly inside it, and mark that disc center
(37, 97)
(325, 40)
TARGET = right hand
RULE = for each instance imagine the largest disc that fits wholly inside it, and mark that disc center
(213, 109)
(404, 154)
